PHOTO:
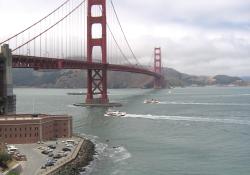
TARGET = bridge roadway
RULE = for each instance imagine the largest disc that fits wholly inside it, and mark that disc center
(23, 61)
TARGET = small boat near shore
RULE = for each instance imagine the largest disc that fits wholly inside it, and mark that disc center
(110, 113)
(152, 101)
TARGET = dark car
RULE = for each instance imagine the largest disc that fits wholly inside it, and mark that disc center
(49, 164)
(45, 152)
(66, 149)
(52, 146)
(57, 156)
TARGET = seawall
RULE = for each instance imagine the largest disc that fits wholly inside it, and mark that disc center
(75, 166)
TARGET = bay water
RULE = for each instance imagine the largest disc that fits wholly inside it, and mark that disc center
(192, 131)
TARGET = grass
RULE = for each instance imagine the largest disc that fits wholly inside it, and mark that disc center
(12, 173)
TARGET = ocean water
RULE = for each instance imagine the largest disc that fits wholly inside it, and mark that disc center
(193, 131)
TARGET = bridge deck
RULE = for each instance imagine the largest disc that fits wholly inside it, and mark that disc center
(22, 61)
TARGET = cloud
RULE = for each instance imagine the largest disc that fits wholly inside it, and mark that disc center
(196, 37)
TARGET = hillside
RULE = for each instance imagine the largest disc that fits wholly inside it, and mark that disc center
(77, 79)
(246, 78)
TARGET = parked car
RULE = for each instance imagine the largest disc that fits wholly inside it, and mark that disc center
(66, 149)
(52, 146)
(51, 154)
(45, 152)
(43, 167)
(69, 145)
(57, 156)
(49, 150)
(41, 148)
(49, 164)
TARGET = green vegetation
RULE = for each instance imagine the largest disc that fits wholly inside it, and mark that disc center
(4, 159)
(12, 173)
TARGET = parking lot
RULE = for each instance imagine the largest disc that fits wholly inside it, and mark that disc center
(38, 161)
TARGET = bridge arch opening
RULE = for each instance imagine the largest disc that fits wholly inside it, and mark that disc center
(97, 54)
(96, 31)
(96, 11)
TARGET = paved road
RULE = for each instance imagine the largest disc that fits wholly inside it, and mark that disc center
(34, 158)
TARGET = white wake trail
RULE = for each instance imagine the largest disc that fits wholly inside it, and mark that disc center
(186, 118)
(209, 104)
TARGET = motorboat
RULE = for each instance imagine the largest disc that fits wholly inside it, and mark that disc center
(152, 101)
(77, 93)
(110, 113)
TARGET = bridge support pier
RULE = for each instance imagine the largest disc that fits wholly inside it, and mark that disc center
(7, 98)
(97, 85)
(97, 78)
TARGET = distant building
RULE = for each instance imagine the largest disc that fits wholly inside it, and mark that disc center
(27, 128)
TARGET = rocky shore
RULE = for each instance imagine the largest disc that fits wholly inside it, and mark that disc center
(84, 157)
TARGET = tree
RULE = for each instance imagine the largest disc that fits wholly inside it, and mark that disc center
(4, 158)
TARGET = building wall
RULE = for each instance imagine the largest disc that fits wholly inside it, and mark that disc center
(14, 132)
(34, 129)
(63, 128)
(48, 129)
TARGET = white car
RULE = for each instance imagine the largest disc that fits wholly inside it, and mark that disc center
(69, 145)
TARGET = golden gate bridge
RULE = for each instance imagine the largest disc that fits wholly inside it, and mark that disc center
(76, 35)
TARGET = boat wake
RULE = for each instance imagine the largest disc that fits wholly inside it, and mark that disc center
(186, 118)
(71, 106)
(209, 104)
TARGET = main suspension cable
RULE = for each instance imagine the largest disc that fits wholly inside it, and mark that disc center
(118, 20)
(50, 26)
(35, 23)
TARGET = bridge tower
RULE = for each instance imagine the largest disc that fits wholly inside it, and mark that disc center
(158, 82)
(7, 98)
(97, 78)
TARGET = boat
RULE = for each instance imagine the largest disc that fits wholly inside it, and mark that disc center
(152, 101)
(76, 93)
(110, 113)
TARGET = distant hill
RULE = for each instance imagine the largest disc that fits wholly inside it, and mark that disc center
(246, 78)
(77, 79)
(223, 79)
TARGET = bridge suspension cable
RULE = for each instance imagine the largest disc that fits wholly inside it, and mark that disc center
(52, 26)
(60, 35)
(116, 42)
(54, 11)
(125, 37)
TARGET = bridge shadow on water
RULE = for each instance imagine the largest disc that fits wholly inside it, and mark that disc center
(91, 120)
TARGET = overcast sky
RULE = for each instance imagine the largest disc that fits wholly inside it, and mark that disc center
(196, 36)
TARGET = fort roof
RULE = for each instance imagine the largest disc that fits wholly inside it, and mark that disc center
(29, 117)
